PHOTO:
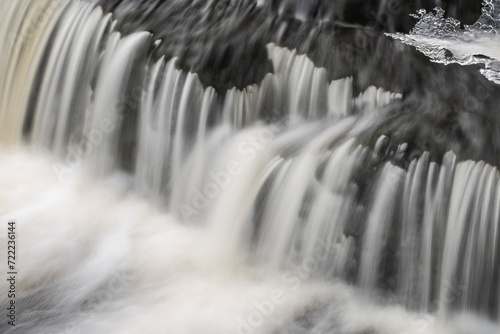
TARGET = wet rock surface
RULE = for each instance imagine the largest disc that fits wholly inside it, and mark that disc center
(443, 108)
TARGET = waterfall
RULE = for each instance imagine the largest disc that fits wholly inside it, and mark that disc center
(276, 177)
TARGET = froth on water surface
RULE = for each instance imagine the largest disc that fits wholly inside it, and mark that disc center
(94, 258)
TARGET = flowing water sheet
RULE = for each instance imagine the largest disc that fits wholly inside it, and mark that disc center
(147, 202)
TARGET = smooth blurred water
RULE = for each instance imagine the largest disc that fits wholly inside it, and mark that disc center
(302, 203)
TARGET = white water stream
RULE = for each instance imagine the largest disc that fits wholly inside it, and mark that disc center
(148, 203)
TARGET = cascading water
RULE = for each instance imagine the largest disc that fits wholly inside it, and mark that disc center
(148, 201)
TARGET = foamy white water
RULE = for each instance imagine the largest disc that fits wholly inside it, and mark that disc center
(146, 202)
(94, 258)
